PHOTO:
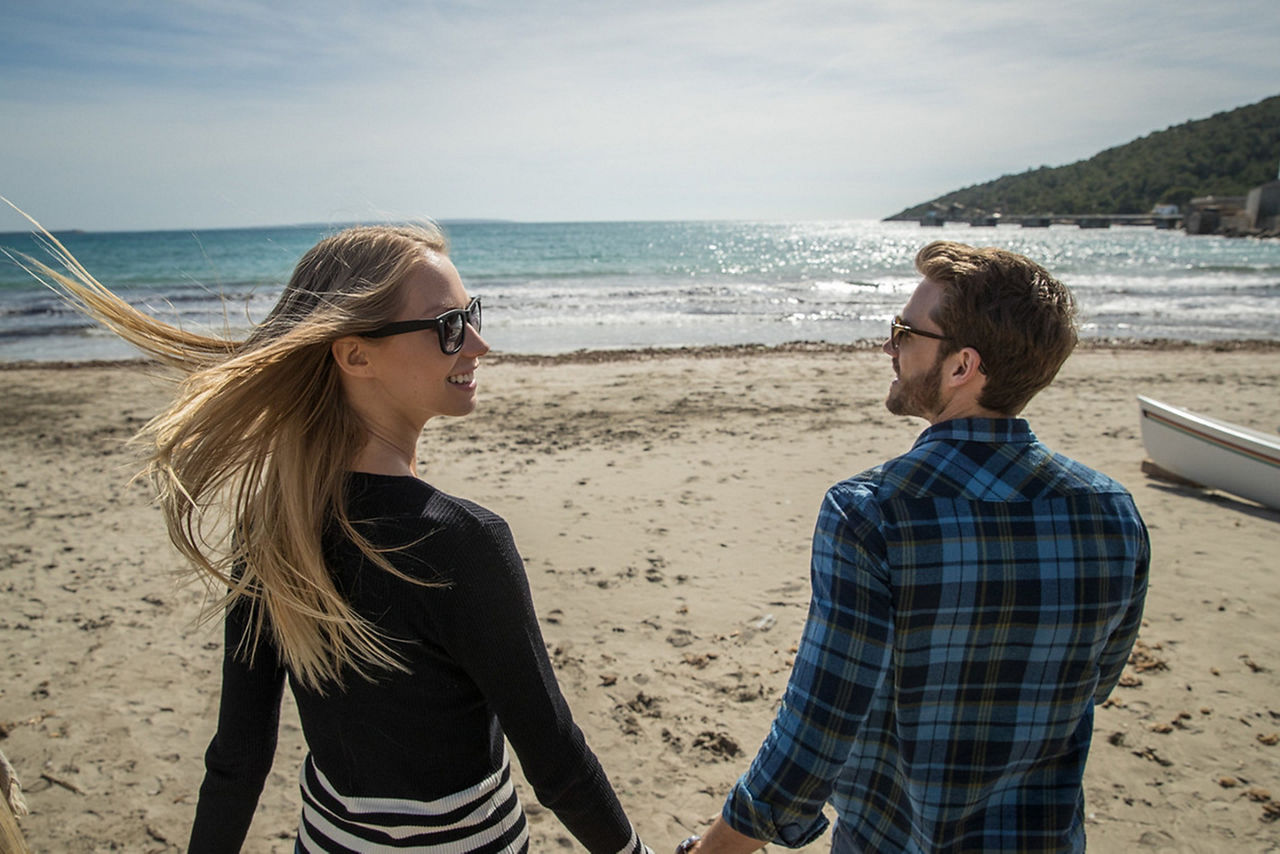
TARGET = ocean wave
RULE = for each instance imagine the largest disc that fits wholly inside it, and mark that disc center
(50, 308)
(1258, 269)
(838, 286)
(45, 330)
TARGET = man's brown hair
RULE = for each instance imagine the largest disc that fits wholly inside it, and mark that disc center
(1019, 318)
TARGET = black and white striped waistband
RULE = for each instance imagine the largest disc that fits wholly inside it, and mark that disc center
(484, 818)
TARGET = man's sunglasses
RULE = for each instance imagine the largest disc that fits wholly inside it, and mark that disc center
(897, 329)
(450, 326)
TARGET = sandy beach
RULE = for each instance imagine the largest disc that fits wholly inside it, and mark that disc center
(664, 504)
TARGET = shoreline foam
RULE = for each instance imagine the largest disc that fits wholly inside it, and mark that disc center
(631, 354)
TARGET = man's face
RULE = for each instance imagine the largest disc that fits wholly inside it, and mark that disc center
(916, 359)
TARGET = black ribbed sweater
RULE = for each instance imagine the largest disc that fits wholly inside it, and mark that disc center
(479, 669)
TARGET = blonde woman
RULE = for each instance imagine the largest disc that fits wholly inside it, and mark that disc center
(399, 615)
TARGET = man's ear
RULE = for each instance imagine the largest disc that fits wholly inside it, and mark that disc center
(966, 367)
(351, 354)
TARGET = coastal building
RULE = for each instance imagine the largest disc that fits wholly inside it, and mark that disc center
(1214, 214)
(1262, 206)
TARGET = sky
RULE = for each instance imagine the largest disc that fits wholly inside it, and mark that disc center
(153, 114)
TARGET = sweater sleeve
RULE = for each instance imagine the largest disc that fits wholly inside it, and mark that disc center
(242, 750)
(493, 633)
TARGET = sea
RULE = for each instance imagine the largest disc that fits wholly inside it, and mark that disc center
(552, 288)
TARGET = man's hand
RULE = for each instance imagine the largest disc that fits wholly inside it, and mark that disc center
(723, 839)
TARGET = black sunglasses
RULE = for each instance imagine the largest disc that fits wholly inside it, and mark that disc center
(897, 329)
(450, 326)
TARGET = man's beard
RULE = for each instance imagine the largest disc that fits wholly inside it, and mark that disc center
(918, 395)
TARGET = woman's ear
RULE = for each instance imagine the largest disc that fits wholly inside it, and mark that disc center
(351, 354)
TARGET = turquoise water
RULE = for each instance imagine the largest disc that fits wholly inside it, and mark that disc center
(558, 287)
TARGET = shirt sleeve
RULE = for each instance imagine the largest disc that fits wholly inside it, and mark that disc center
(841, 662)
(494, 635)
(1116, 653)
(243, 748)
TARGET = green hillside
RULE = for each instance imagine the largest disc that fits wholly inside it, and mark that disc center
(1226, 154)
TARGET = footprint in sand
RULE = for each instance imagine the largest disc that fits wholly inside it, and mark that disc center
(717, 744)
(680, 637)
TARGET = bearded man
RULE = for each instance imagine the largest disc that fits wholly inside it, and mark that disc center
(972, 600)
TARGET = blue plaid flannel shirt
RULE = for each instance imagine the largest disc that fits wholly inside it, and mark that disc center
(972, 600)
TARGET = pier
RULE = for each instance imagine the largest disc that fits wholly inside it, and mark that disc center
(1046, 220)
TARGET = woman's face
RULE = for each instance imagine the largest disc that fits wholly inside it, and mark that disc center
(418, 379)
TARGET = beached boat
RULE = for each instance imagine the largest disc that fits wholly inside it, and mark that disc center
(1211, 452)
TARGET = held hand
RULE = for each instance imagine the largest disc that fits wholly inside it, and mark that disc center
(720, 839)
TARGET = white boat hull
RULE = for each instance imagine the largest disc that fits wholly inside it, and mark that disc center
(1215, 453)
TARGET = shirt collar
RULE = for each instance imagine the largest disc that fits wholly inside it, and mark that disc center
(990, 430)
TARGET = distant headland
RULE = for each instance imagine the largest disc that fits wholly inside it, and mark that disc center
(1216, 175)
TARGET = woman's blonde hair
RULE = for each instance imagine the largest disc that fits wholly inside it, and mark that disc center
(250, 459)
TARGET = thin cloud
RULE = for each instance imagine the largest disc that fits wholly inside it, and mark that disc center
(213, 113)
